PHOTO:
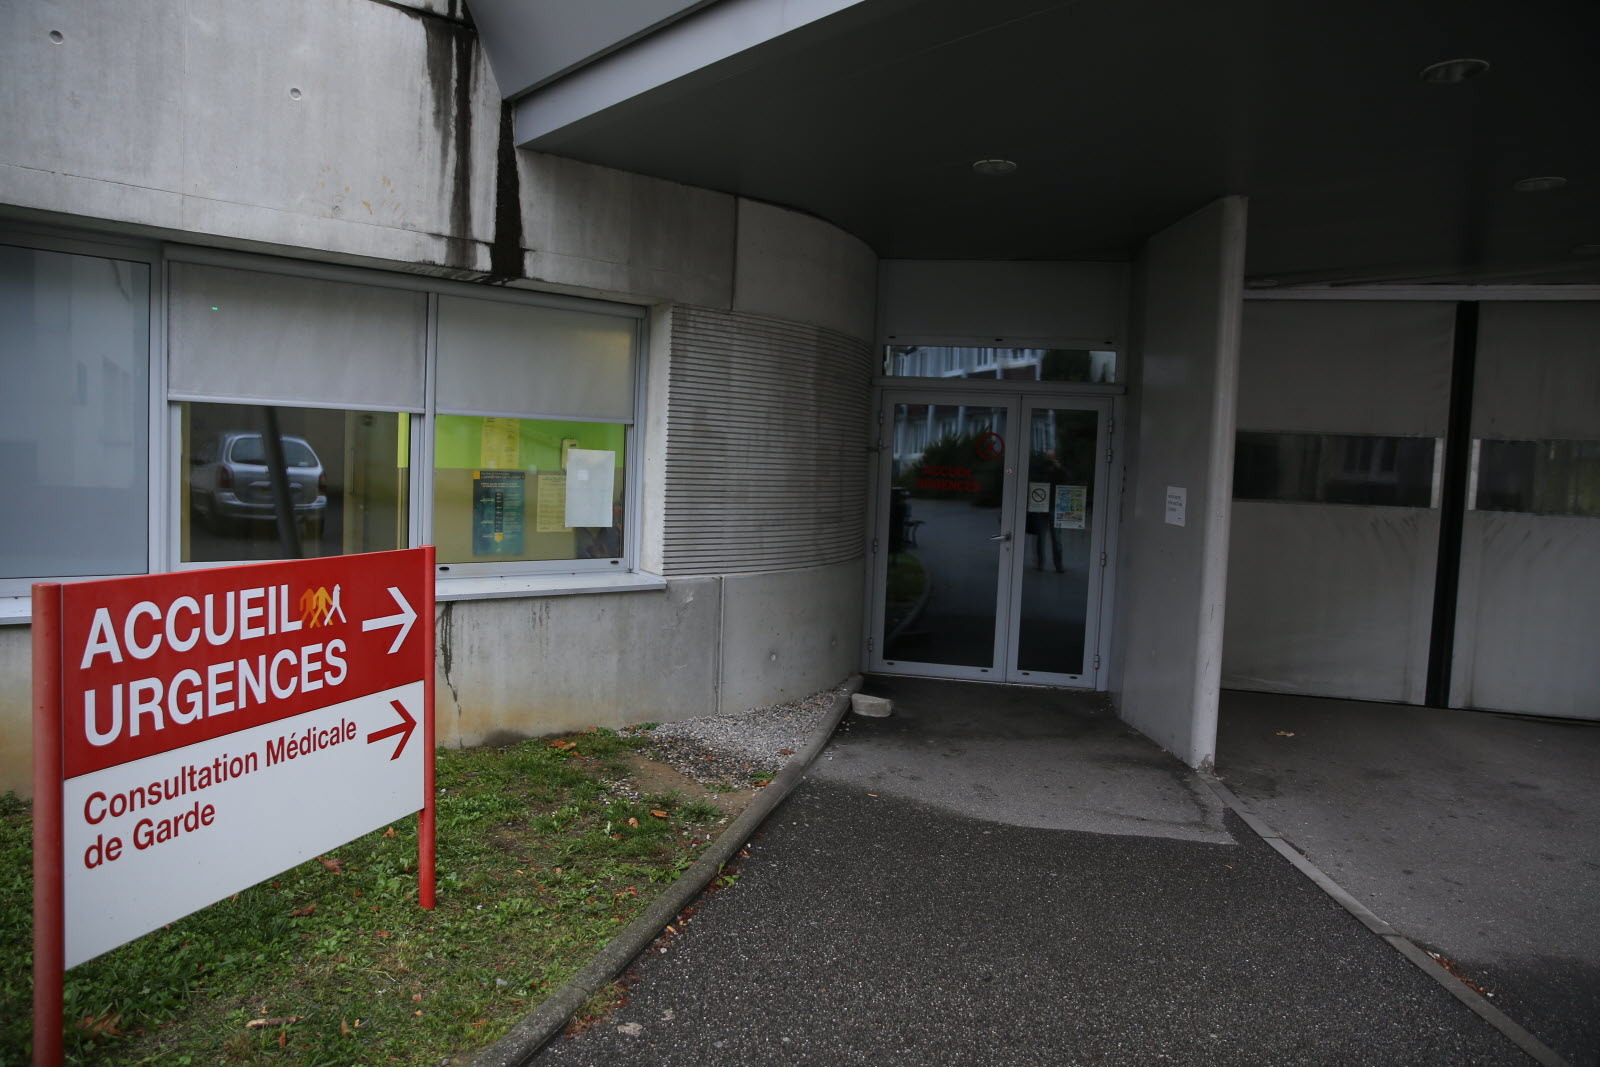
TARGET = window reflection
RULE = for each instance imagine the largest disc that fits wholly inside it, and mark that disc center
(1334, 468)
(1000, 364)
(1540, 477)
(277, 482)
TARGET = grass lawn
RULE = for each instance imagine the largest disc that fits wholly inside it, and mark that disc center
(540, 864)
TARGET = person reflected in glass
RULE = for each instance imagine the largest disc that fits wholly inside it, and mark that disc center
(1045, 469)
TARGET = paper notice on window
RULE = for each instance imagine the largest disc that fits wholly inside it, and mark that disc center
(550, 507)
(500, 445)
(591, 477)
(1072, 507)
(1039, 498)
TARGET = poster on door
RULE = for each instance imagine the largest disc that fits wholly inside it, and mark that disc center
(1072, 505)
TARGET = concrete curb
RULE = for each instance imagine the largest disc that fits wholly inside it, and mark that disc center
(1490, 1014)
(526, 1038)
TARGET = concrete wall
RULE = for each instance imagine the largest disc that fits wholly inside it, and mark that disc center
(1167, 659)
(184, 121)
(788, 633)
(971, 302)
(240, 125)
(518, 667)
(793, 266)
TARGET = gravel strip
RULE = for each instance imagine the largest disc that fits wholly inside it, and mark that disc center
(717, 749)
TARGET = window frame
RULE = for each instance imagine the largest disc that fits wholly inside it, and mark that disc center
(164, 453)
(453, 580)
(16, 593)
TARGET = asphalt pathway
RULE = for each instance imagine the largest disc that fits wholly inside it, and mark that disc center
(869, 925)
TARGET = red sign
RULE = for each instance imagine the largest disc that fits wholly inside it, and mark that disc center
(952, 479)
(162, 662)
(197, 732)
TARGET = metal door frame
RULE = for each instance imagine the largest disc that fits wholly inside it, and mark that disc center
(1019, 400)
(1099, 556)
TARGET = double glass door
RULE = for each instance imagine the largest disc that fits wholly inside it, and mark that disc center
(990, 548)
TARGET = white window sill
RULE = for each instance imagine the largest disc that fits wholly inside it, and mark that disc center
(18, 610)
(544, 585)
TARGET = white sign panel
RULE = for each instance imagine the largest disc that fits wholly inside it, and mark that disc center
(1177, 505)
(192, 826)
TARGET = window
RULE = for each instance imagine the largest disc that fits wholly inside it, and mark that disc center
(1540, 477)
(530, 452)
(1335, 468)
(308, 411)
(527, 408)
(345, 484)
(1001, 364)
(74, 424)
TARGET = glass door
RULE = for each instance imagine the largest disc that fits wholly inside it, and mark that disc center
(944, 534)
(1059, 566)
(988, 554)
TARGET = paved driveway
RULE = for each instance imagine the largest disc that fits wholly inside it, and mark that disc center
(1476, 835)
(1008, 876)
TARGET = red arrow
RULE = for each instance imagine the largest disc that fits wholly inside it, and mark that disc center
(402, 728)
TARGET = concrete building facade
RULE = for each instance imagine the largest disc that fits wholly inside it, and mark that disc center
(454, 252)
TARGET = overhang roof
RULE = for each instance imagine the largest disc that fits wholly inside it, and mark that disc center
(1124, 116)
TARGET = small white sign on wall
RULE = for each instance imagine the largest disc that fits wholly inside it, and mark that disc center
(1177, 505)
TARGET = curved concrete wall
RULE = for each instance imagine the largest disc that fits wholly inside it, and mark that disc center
(180, 124)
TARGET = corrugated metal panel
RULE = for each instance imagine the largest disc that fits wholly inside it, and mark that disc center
(766, 435)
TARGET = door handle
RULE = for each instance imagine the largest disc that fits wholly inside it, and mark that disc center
(1001, 536)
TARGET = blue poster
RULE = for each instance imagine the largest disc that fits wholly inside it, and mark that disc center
(499, 502)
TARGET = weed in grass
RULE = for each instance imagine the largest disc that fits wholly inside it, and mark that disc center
(539, 866)
(699, 811)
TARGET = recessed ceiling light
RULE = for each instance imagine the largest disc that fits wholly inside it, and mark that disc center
(994, 167)
(1453, 71)
(1539, 185)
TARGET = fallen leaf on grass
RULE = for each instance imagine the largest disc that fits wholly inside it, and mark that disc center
(262, 1024)
(389, 832)
(634, 823)
(301, 913)
(658, 813)
(336, 866)
(416, 996)
(564, 745)
(283, 1039)
(101, 1024)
